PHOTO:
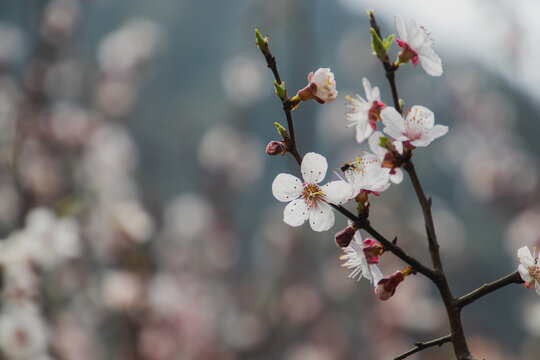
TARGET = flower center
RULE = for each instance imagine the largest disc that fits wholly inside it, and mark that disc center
(374, 113)
(311, 194)
(534, 271)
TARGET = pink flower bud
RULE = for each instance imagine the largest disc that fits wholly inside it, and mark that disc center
(344, 237)
(321, 87)
(372, 250)
(276, 148)
(386, 287)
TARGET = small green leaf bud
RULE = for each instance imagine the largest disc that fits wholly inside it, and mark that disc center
(282, 131)
(280, 90)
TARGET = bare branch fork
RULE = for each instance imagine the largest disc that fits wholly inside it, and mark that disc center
(452, 304)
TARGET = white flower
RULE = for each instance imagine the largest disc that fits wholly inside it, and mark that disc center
(355, 259)
(416, 45)
(321, 87)
(529, 269)
(308, 199)
(365, 113)
(54, 239)
(418, 128)
(23, 334)
(366, 173)
(396, 175)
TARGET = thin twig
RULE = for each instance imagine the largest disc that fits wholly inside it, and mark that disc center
(513, 278)
(389, 68)
(424, 345)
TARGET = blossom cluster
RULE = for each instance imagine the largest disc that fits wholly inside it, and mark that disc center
(371, 172)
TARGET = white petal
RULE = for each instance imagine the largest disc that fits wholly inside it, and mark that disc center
(321, 218)
(430, 62)
(313, 168)
(400, 27)
(376, 274)
(537, 287)
(397, 177)
(437, 131)
(524, 273)
(525, 256)
(295, 213)
(367, 88)
(286, 187)
(374, 141)
(420, 118)
(415, 35)
(399, 146)
(363, 130)
(393, 122)
(337, 192)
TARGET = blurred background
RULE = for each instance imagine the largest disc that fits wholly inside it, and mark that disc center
(135, 193)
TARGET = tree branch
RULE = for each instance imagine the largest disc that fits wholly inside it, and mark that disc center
(513, 278)
(424, 345)
(428, 218)
(286, 103)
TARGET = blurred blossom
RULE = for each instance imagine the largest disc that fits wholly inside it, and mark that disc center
(73, 340)
(278, 234)
(40, 171)
(11, 44)
(115, 97)
(164, 293)
(243, 330)
(220, 248)
(132, 221)
(23, 335)
(109, 162)
(530, 314)
(492, 171)
(59, 20)
(121, 290)
(187, 217)
(301, 303)
(489, 349)
(412, 307)
(10, 204)
(10, 96)
(449, 226)
(309, 352)
(55, 239)
(129, 48)
(70, 124)
(524, 229)
(66, 79)
(331, 124)
(334, 279)
(245, 79)
(237, 156)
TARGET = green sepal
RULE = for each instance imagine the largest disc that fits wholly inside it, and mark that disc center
(280, 90)
(385, 142)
